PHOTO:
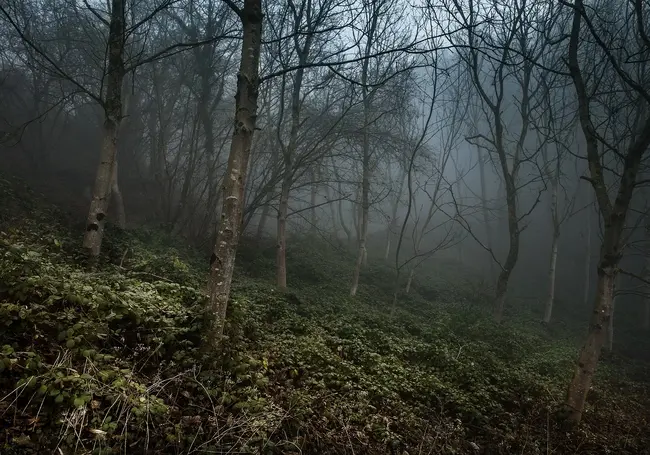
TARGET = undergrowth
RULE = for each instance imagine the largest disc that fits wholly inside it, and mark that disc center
(111, 361)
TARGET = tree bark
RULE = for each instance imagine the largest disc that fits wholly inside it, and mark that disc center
(587, 281)
(283, 209)
(365, 163)
(112, 117)
(548, 311)
(513, 251)
(393, 219)
(613, 214)
(118, 200)
(222, 262)
(486, 218)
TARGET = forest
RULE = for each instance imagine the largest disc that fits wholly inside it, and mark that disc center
(339, 227)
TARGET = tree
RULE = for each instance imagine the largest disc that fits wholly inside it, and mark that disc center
(379, 34)
(496, 35)
(222, 262)
(609, 40)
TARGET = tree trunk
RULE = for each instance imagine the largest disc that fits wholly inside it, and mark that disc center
(610, 327)
(312, 199)
(112, 118)
(486, 218)
(281, 255)
(513, 251)
(646, 312)
(410, 280)
(588, 358)
(118, 200)
(393, 220)
(365, 208)
(222, 262)
(587, 280)
(548, 311)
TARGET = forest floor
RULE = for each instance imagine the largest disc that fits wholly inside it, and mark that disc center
(110, 361)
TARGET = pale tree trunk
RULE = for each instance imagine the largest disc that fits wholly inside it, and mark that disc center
(313, 196)
(112, 118)
(486, 218)
(118, 200)
(587, 280)
(288, 157)
(261, 226)
(222, 262)
(281, 235)
(365, 172)
(548, 311)
(392, 226)
(365, 208)
(410, 280)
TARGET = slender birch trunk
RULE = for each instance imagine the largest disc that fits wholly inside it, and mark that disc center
(222, 262)
(393, 220)
(112, 118)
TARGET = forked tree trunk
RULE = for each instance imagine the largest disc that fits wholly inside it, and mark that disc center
(222, 262)
(112, 118)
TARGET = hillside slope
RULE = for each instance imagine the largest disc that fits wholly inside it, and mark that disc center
(110, 361)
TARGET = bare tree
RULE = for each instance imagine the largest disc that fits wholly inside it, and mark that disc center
(610, 42)
(496, 35)
(222, 262)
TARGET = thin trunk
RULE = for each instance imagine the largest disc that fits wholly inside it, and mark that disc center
(365, 177)
(513, 251)
(646, 312)
(281, 235)
(261, 226)
(486, 218)
(222, 262)
(365, 208)
(112, 118)
(392, 226)
(610, 327)
(312, 199)
(409, 282)
(548, 311)
(587, 280)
